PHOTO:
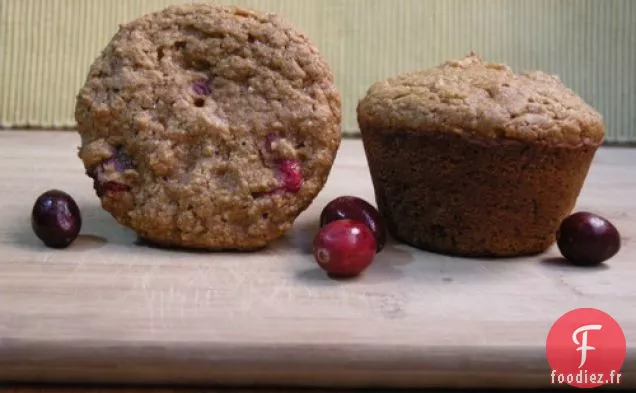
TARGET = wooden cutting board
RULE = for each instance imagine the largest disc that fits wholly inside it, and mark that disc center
(110, 310)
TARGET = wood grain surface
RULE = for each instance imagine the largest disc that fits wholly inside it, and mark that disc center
(146, 389)
(175, 389)
(108, 309)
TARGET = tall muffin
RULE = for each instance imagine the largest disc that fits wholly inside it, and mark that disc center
(469, 158)
(208, 126)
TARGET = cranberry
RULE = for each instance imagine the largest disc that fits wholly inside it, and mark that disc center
(109, 187)
(344, 248)
(120, 162)
(356, 209)
(586, 239)
(291, 175)
(56, 219)
(201, 88)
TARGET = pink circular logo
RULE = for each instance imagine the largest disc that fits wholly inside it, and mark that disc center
(586, 348)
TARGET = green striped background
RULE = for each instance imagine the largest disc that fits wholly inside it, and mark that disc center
(46, 46)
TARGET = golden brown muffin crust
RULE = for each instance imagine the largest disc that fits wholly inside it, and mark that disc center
(476, 98)
(469, 158)
(189, 114)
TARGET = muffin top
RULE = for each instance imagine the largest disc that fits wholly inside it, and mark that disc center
(209, 126)
(479, 99)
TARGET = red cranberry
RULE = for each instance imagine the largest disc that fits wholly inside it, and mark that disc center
(586, 239)
(291, 175)
(56, 219)
(344, 248)
(356, 209)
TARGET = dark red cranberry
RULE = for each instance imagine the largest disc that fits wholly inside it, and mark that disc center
(56, 219)
(121, 162)
(586, 239)
(109, 187)
(201, 88)
(291, 175)
(344, 248)
(356, 209)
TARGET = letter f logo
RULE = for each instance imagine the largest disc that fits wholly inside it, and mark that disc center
(583, 344)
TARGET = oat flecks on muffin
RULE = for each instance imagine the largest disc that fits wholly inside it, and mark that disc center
(471, 159)
(208, 126)
(485, 99)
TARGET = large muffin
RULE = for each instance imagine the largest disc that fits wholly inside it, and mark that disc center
(208, 126)
(469, 158)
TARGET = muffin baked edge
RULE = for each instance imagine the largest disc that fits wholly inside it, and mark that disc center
(107, 123)
(475, 182)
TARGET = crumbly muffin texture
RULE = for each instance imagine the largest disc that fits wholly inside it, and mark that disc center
(477, 98)
(471, 159)
(208, 126)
